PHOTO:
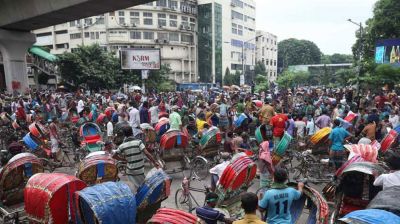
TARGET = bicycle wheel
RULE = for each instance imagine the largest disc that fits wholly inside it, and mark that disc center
(182, 201)
(199, 168)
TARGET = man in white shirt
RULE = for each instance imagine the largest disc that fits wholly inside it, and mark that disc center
(392, 159)
(300, 126)
(154, 113)
(394, 119)
(110, 130)
(80, 107)
(134, 118)
(310, 127)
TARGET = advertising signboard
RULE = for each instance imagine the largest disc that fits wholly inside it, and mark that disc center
(140, 59)
(388, 52)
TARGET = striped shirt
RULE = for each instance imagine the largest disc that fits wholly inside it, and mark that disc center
(132, 150)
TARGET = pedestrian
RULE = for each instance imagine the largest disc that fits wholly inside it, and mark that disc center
(175, 120)
(144, 113)
(249, 205)
(337, 137)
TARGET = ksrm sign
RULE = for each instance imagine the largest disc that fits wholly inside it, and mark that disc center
(140, 59)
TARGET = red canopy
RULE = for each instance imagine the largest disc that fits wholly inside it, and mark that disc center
(49, 197)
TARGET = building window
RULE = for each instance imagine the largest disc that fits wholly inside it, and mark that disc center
(87, 34)
(121, 20)
(185, 21)
(240, 30)
(234, 28)
(148, 22)
(61, 31)
(135, 21)
(148, 35)
(237, 3)
(173, 4)
(263, 51)
(161, 3)
(100, 20)
(135, 35)
(162, 36)
(173, 21)
(187, 38)
(148, 14)
(237, 15)
(274, 62)
(162, 19)
(121, 13)
(62, 46)
(72, 23)
(73, 36)
(88, 21)
(174, 37)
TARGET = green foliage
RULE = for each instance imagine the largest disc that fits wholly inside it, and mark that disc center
(298, 52)
(382, 75)
(260, 69)
(337, 59)
(290, 79)
(95, 68)
(232, 79)
(261, 83)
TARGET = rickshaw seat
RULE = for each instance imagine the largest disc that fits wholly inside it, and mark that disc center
(92, 139)
(350, 204)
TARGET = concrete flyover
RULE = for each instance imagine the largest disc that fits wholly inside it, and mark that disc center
(19, 17)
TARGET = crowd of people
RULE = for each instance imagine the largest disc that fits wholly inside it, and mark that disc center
(297, 112)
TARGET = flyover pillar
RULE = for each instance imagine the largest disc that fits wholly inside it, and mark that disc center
(14, 46)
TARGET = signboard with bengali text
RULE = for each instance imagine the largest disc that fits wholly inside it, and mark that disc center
(140, 59)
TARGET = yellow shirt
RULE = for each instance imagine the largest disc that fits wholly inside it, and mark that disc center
(200, 124)
(250, 219)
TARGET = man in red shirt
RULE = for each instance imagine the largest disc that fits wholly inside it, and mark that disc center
(278, 123)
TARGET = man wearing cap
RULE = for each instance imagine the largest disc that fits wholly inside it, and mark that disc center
(208, 214)
(175, 120)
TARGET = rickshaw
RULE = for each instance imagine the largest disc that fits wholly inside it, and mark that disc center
(91, 136)
(389, 140)
(162, 127)
(109, 202)
(261, 134)
(39, 131)
(371, 216)
(97, 167)
(154, 190)
(355, 188)
(172, 216)
(241, 124)
(49, 198)
(319, 140)
(173, 146)
(280, 149)
(207, 151)
(13, 177)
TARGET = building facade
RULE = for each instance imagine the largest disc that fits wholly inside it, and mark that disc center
(267, 53)
(170, 25)
(226, 38)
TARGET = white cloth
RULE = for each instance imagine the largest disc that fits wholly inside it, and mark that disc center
(388, 180)
(54, 145)
(134, 117)
(300, 125)
(80, 106)
(219, 169)
(394, 120)
(310, 127)
(110, 129)
(153, 114)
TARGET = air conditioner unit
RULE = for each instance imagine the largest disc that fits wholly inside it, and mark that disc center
(160, 26)
(157, 40)
(165, 41)
(181, 27)
(85, 25)
(188, 28)
(134, 25)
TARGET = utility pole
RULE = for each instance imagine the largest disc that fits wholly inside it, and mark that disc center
(361, 51)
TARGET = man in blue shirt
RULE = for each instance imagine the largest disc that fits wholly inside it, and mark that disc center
(277, 201)
(208, 214)
(337, 137)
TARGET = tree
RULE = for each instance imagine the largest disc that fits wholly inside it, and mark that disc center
(262, 84)
(91, 66)
(260, 69)
(158, 79)
(382, 75)
(298, 52)
(232, 79)
(337, 59)
(290, 79)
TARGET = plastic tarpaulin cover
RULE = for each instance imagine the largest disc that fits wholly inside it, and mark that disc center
(109, 202)
(371, 216)
(387, 199)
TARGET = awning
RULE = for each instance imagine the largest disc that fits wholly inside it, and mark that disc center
(42, 53)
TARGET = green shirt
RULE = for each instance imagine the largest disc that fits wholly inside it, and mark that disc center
(175, 120)
(240, 108)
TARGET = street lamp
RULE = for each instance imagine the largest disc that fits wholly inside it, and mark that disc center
(243, 66)
(361, 46)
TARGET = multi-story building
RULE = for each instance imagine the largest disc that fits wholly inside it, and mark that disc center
(170, 25)
(227, 38)
(267, 53)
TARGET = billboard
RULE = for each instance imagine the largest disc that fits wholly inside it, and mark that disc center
(388, 52)
(140, 58)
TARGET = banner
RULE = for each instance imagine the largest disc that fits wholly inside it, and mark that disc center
(388, 52)
(140, 59)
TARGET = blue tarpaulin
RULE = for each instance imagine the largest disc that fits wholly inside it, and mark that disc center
(371, 216)
(109, 203)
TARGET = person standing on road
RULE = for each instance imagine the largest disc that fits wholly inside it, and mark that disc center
(175, 119)
(54, 138)
(249, 205)
(132, 151)
(278, 200)
(337, 137)
(154, 113)
(144, 113)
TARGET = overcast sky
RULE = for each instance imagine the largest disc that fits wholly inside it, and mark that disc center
(321, 21)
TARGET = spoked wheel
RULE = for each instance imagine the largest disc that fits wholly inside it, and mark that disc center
(182, 201)
(199, 168)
